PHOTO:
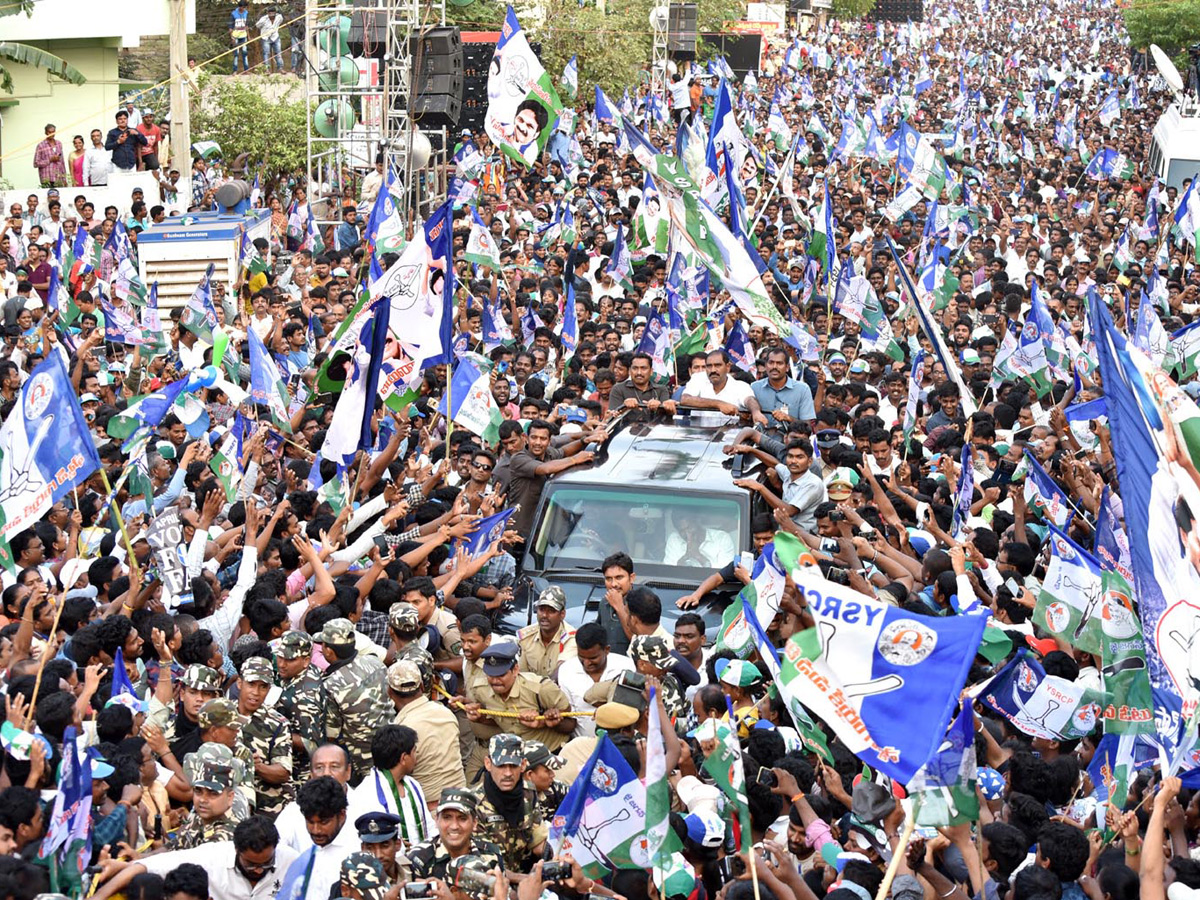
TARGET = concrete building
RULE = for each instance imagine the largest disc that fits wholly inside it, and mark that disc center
(87, 34)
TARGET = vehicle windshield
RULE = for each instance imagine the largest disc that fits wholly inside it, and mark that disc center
(583, 525)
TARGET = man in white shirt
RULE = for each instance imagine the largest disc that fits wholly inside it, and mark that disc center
(250, 867)
(8, 281)
(331, 760)
(715, 390)
(593, 664)
(389, 786)
(323, 804)
(97, 161)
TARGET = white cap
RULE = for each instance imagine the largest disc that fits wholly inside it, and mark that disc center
(696, 795)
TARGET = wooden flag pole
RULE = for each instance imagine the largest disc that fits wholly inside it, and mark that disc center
(897, 855)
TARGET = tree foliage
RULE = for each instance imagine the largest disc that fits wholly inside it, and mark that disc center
(1173, 26)
(851, 9)
(482, 15)
(613, 46)
(239, 118)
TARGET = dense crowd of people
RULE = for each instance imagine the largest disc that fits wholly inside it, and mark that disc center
(285, 677)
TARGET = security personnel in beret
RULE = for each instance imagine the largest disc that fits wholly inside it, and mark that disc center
(221, 723)
(456, 822)
(538, 702)
(379, 833)
(507, 812)
(551, 640)
(301, 698)
(362, 878)
(356, 700)
(211, 772)
(266, 736)
(180, 725)
(540, 768)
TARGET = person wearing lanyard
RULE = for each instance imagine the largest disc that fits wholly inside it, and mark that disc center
(389, 786)
(784, 399)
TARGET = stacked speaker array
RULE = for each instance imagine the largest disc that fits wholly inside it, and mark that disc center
(477, 56)
(437, 77)
(681, 30)
(898, 11)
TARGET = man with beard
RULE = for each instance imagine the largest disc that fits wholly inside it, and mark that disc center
(246, 868)
(807, 832)
(508, 812)
(323, 804)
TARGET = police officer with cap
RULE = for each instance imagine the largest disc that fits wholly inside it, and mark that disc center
(545, 644)
(379, 833)
(538, 702)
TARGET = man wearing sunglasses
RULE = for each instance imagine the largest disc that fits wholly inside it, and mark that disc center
(250, 867)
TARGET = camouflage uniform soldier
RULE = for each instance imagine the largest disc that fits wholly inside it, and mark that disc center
(522, 839)
(211, 772)
(220, 723)
(357, 703)
(541, 765)
(267, 736)
(652, 656)
(363, 877)
(471, 876)
(457, 832)
(198, 685)
(301, 699)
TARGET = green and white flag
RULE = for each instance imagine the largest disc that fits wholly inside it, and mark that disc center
(777, 126)
(334, 492)
(522, 102)
(1185, 348)
(671, 874)
(266, 383)
(1123, 661)
(1071, 602)
(928, 173)
(469, 402)
(481, 246)
(943, 789)
(227, 467)
(820, 246)
(724, 763)
(817, 127)
(722, 254)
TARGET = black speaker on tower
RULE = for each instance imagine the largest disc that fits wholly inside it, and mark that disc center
(681, 30)
(368, 30)
(898, 11)
(437, 77)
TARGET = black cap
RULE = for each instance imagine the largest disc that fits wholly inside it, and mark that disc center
(499, 658)
(377, 827)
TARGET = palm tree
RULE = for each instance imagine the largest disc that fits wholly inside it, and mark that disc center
(28, 55)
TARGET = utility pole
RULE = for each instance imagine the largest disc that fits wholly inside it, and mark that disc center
(181, 120)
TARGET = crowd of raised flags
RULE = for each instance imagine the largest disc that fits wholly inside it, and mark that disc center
(976, 615)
